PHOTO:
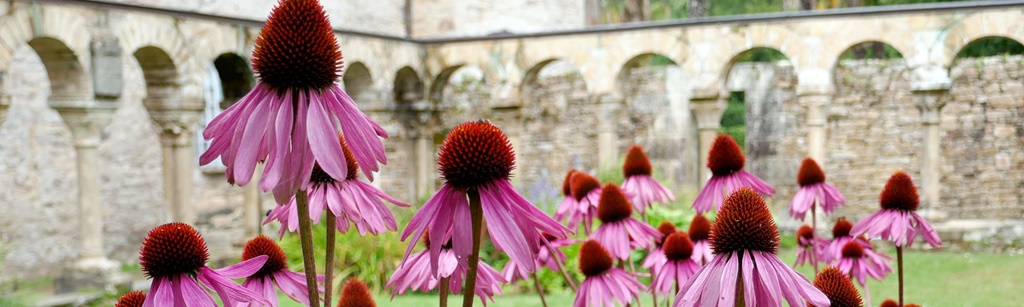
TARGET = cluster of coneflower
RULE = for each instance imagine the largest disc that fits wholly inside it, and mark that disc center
(313, 140)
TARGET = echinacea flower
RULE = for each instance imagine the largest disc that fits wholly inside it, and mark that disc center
(586, 190)
(897, 220)
(568, 209)
(131, 299)
(645, 190)
(807, 246)
(833, 249)
(860, 262)
(604, 285)
(476, 157)
(513, 272)
(699, 231)
(175, 256)
(656, 257)
(813, 189)
(289, 118)
(349, 199)
(745, 267)
(274, 272)
(679, 265)
(838, 288)
(889, 303)
(356, 294)
(415, 273)
(726, 163)
(619, 231)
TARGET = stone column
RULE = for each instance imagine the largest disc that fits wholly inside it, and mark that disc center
(815, 102)
(708, 107)
(179, 157)
(423, 152)
(607, 130)
(5, 103)
(251, 205)
(930, 102)
(92, 268)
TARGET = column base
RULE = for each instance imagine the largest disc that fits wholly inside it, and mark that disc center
(92, 273)
(934, 215)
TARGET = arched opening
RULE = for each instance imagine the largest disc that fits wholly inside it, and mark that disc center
(67, 78)
(870, 50)
(764, 116)
(159, 71)
(655, 114)
(358, 82)
(983, 126)
(559, 129)
(228, 79)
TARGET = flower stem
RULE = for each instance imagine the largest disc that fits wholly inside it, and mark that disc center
(540, 291)
(867, 295)
(329, 261)
(814, 237)
(476, 213)
(899, 265)
(561, 267)
(306, 238)
(443, 291)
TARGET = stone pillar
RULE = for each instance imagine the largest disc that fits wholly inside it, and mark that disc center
(708, 107)
(252, 217)
(815, 102)
(607, 130)
(930, 102)
(86, 122)
(5, 103)
(179, 157)
(423, 151)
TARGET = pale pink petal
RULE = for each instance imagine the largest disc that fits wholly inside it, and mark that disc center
(243, 269)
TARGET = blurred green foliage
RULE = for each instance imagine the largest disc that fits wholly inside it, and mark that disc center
(734, 119)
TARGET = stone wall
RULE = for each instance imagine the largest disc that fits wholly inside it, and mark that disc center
(983, 139)
(436, 18)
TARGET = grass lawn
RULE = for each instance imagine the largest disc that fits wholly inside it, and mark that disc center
(932, 279)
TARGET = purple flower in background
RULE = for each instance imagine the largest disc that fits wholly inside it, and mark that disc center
(619, 232)
(639, 182)
(897, 220)
(679, 266)
(860, 262)
(274, 272)
(726, 163)
(814, 189)
(700, 231)
(604, 285)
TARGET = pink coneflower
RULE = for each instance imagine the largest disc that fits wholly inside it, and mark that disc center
(175, 256)
(513, 272)
(656, 258)
(476, 157)
(833, 249)
(838, 288)
(813, 189)
(699, 231)
(807, 246)
(897, 220)
(349, 199)
(604, 285)
(131, 299)
(586, 190)
(726, 163)
(355, 294)
(414, 273)
(645, 190)
(679, 266)
(745, 269)
(290, 116)
(274, 272)
(860, 263)
(568, 210)
(619, 231)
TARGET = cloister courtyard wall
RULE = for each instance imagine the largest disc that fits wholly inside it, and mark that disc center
(132, 90)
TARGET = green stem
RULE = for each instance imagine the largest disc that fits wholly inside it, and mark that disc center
(329, 261)
(814, 237)
(443, 291)
(476, 213)
(306, 238)
(540, 291)
(899, 265)
(561, 267)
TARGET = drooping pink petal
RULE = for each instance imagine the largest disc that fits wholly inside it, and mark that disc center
(323, 141)
(228, 290)
(245, 268)
(193, 294)
(293, 285)
(160, 293)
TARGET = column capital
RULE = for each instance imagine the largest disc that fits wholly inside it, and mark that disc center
(708, 111)
(86, 124)
(176, 127)
(930, 102)
(164, 104)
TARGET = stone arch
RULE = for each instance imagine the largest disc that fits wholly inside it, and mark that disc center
(461, 95)
(358, 81)
(236, 78)
(160, 34)
(409, 103)
(1002, 45)
(890, 62)
(871, 49)
(68, 79)
(53, 22)
(163, 79)
(1009, 24)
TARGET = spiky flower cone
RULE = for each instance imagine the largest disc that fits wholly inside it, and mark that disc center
(131, 299)
(355, 294)
(838, 288)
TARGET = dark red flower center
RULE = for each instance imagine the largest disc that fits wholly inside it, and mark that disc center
(700, 228)
(842, 228)
(744, 223)
(548, 237)
(581, 184)
(613, 205)
(320, 176)
(131, 299)
(475, 153)
(806, 233)
(677, 247)
(725, 156)
(911, 305)
(172, 249)
(594, 259)
(355, 294)
(899, 193)
(566, 190)
(296, 48)
(666, 228)
(636, 162)
(838, 288)
(853, 249)
(890, 303)
(263, 245)
(810, 173)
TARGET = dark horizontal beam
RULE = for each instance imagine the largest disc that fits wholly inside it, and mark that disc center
(678, 23)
